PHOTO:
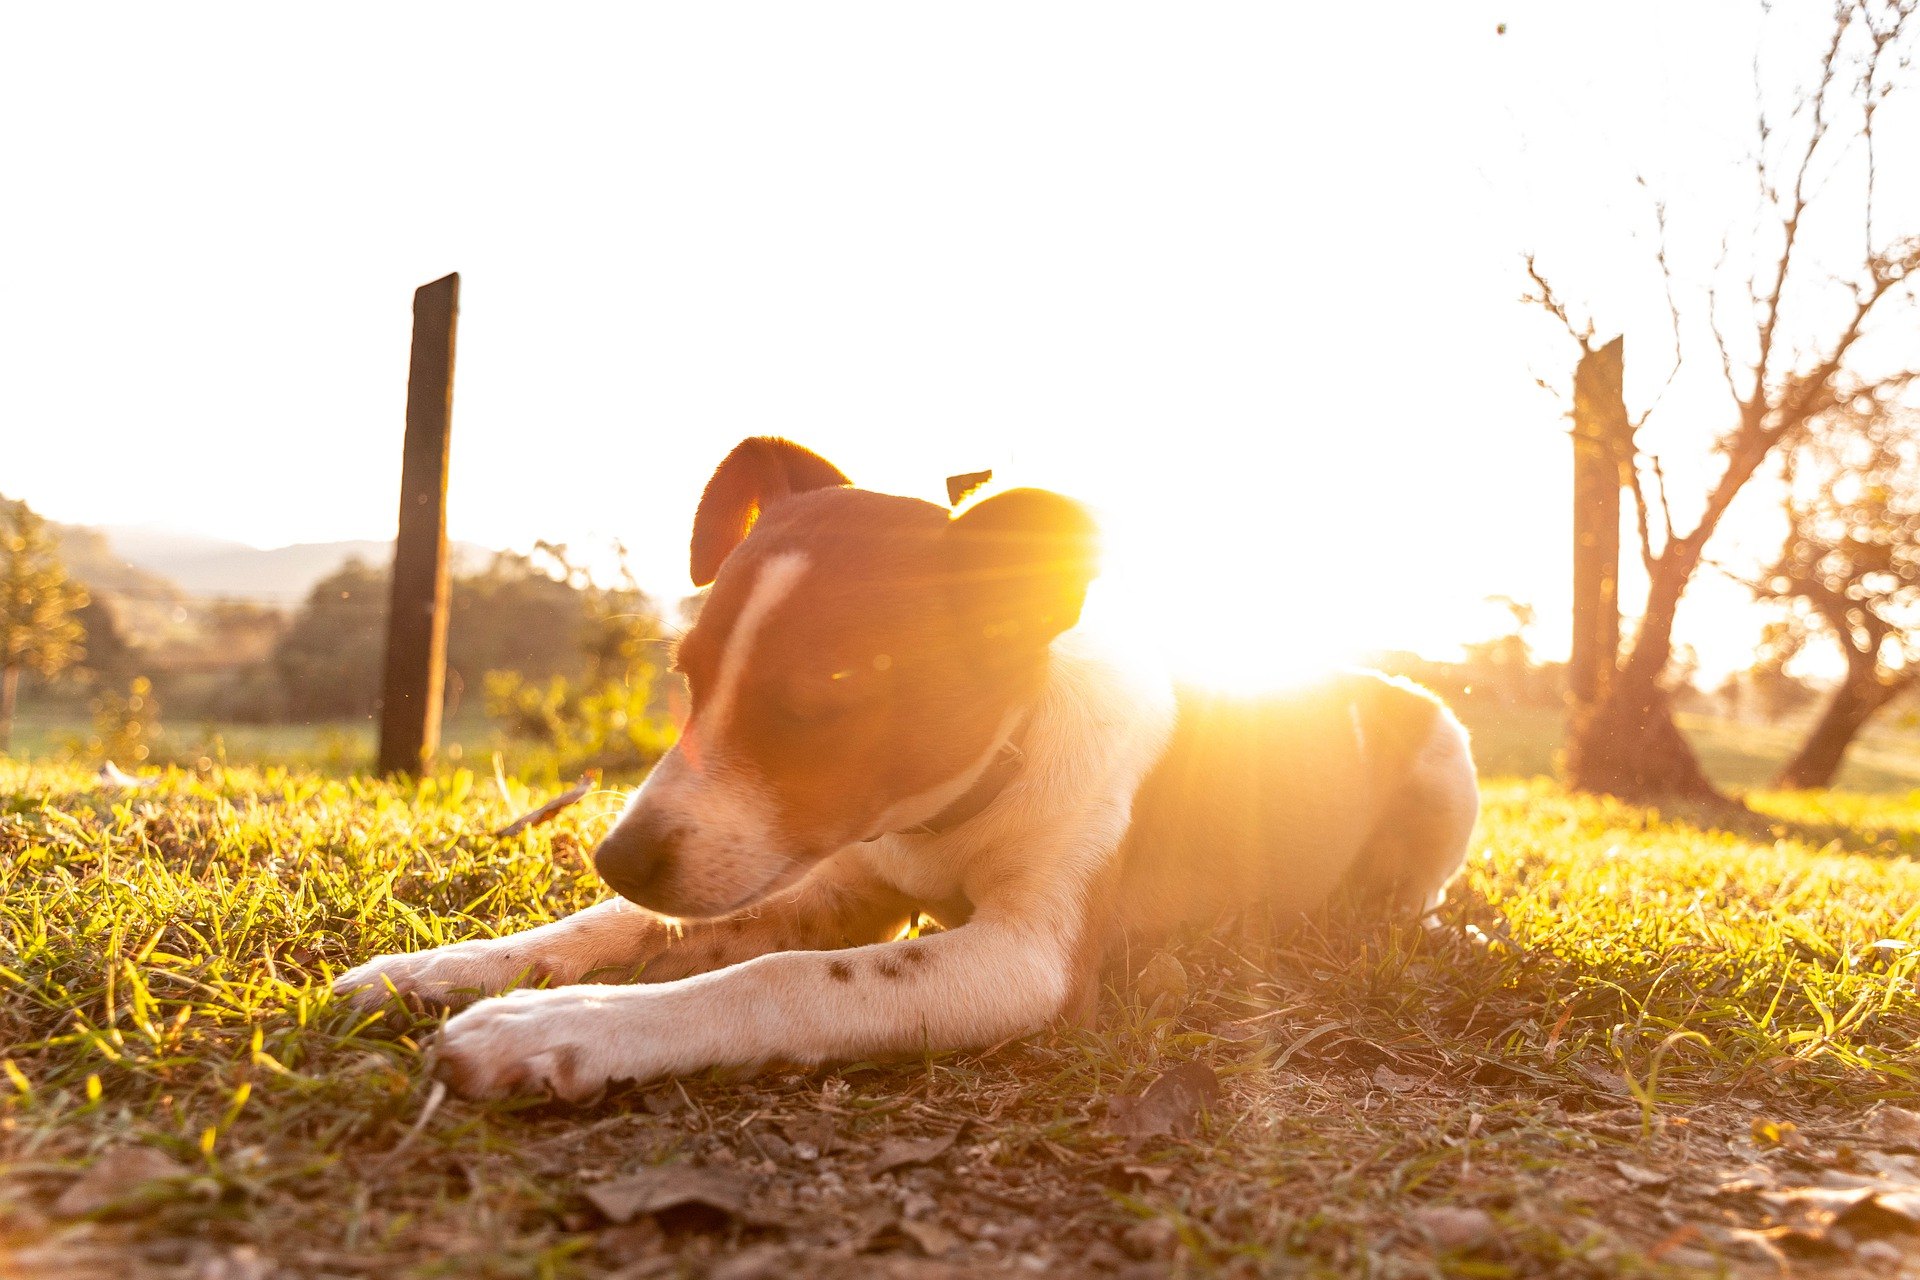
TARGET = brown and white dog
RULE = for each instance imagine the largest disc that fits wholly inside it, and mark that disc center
(888, 717)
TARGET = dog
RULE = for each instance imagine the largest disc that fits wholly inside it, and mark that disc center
(891, 713)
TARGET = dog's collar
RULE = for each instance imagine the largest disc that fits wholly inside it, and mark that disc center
(1002, 770)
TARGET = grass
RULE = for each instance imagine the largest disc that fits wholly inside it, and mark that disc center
(341, 748)
(1696, 999)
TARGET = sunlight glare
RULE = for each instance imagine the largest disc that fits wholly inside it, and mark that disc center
(1216, 629)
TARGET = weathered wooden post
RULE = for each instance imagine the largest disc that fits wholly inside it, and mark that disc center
(417, 615)
(1602, 445)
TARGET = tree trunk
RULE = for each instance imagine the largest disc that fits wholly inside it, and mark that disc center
(1602, 437)
(1853, 704)
(1627, 744)
(9, 692)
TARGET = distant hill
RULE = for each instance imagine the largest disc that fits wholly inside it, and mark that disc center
(279, 575)
(144, 604)
(157, 581)
(92, 558)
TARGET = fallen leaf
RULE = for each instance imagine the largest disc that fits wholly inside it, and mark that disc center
(896, 1153)
(112, 775)
(1641, 1177)
(1757, 1246)
(1601, 1078)
(1157, 1174)
(1452, 1226)
(934, 1240)
(118, 1179)
(1171, 1105)
(1903, 1167)
(1394, 1082)
(1894, 1127)
(1811, 1213)
(672, 1186)
(1885, 950)
(1164, 975)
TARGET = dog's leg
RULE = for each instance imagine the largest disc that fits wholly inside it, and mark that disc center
(1007, 971)
(1423, 836)
(608, 939)
(839, 904)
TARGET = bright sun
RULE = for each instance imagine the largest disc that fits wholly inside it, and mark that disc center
(1225, 629)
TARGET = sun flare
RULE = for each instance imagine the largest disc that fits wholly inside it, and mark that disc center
(1215, 633)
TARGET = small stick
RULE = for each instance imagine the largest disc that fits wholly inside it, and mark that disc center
(577, 792)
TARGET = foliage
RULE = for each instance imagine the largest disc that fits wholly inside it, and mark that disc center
(124, 724)
(38, 629)
(1849, 568)
(1767, 689)
(1651, 990)
(108, 658)
(329, 659)
(535, 615)
(1851, 556)
(609, 726)
(38, 602)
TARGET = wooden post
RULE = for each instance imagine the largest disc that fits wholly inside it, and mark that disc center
(1602, 446)
(417, 615)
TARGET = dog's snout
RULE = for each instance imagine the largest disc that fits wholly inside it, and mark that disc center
(638, 857)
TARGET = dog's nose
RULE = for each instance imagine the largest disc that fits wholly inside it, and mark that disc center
(637, 858)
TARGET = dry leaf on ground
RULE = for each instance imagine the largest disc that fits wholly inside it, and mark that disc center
(896, 1153)
(118, 1177)
(672, 1186)
(1394, 1082)
(1163, 975)
(934, 1240)
(1171, 1105)
(1894, 1127)
(1640, 1177)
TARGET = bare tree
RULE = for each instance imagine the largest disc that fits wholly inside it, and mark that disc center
(1850, 565)
(1803, 360)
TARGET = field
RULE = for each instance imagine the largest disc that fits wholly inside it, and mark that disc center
(1648, 1043)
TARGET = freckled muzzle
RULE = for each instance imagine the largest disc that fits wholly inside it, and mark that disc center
(639, 859)
(652, 860)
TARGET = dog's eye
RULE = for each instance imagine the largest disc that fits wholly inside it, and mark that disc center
(821, 697)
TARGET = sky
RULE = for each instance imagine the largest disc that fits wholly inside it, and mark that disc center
(1243, 277)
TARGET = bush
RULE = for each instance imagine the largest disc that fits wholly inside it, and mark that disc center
(609, 726)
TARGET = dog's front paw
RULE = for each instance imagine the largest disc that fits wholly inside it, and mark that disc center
(562, 1042)
(445, 977)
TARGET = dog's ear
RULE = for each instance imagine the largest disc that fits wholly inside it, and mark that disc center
(1022, 561)
(758, 474)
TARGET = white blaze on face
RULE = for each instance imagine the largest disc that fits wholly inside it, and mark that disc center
(730, 847)
(778, 577)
